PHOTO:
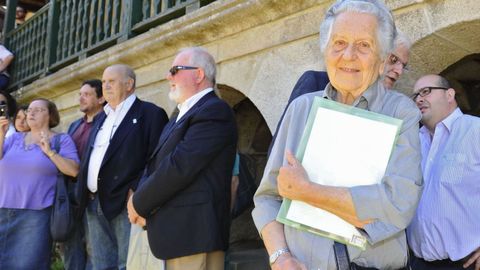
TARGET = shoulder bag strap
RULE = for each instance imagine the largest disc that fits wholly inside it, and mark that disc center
(341, 256)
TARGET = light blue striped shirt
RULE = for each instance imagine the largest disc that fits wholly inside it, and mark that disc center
(446, 224)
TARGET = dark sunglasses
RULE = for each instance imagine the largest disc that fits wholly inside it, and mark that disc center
(174, 70)
(425, 91)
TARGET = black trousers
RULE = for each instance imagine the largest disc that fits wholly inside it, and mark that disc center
(356, 267)
(420, 264)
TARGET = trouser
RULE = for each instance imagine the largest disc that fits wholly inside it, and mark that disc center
(75, 256)
(420, 264)
(108, 239)
(356, 267)
(203, 261)
(4, 80)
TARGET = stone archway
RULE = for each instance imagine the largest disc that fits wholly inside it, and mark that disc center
(254, 137)
(464, 76)
(443, 33)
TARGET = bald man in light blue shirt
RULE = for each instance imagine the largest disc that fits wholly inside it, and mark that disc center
(445, 232)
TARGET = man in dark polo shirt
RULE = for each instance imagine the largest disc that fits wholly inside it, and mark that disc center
(91, 102)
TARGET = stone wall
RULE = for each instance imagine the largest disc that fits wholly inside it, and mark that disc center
(262, 47)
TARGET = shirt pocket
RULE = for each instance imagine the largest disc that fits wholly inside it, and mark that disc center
(453, 168)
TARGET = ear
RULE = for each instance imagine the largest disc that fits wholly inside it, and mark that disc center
(101, 100)
(200, 75)
(130, 85)
(451, 94)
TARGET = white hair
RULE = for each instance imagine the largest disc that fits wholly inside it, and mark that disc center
(386, 31)
(402, 40)
(200, 57)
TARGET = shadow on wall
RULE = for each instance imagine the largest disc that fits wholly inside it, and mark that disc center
(464, 76)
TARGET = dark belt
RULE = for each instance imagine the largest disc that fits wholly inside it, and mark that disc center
(446, 262)
(442, 263)
(341, 256)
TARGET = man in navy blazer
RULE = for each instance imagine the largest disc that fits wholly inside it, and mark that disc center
(185, 197)
(120, 144)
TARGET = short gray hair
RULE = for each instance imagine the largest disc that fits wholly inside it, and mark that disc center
(402, 40)
(386, 30)
(200, 57)
(443, 82)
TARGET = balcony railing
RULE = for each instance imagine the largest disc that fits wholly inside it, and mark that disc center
(64, 31)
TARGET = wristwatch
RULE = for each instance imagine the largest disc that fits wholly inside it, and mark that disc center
(275, 255)
(51, 153)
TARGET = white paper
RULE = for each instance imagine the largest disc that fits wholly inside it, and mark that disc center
(342, 150)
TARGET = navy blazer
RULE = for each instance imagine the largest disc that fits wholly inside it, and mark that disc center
(186, 195)
(126, 156)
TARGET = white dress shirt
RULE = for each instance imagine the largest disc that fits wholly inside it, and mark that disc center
(104, 135)
(445, 225)
(188, 104)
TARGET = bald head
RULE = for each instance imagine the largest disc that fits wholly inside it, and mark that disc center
(435, 99)
(118, 83)
(126, 72)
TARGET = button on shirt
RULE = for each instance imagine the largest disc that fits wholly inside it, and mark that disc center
(445, 225)
(104, 135)
(188, 104)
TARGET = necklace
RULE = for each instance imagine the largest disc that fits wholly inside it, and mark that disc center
(28, 143)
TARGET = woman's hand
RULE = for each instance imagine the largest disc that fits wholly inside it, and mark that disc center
(293, 183)
(3, 126)
(44, 143)
(288, 262)
(292, 179)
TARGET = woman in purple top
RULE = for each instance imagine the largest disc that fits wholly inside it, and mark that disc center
(28, 169)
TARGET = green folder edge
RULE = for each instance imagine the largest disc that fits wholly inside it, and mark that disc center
(336, 106)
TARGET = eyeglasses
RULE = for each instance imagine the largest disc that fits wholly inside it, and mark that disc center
(425, 91)
(174, 70)
(395, 60)
(36, 110)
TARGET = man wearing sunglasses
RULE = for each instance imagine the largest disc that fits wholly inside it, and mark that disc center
(185, 198)
(444, 234)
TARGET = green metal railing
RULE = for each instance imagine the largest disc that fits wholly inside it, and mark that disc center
(65, 31)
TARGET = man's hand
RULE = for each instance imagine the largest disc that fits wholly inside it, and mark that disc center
(474, 260)
(292, 179)
(288, 262)
(141, 222)
(133, 216)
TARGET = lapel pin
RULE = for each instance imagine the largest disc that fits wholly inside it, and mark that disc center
(134, 120)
